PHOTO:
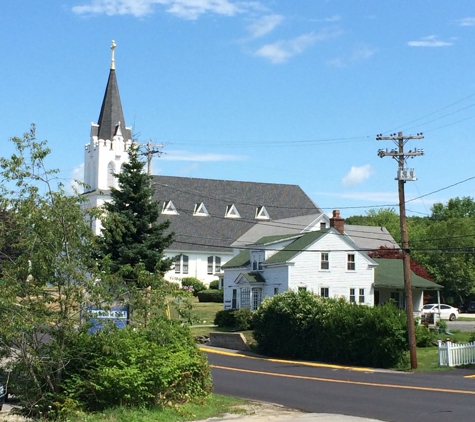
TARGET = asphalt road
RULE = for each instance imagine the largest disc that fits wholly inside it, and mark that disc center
(385, 395)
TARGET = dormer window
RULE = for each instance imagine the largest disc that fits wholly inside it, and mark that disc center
(169, 208)
(261, 213)
(232, 212)
(200, 210)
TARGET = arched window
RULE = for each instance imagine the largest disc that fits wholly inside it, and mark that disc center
(110, 175)
(214, 264)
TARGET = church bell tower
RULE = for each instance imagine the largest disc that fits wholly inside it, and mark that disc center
(108, 146)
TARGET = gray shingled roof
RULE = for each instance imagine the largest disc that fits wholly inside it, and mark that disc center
(111, 111)
(217, 232)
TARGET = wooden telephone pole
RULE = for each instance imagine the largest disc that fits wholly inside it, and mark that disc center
(149, 152)
(404, 174)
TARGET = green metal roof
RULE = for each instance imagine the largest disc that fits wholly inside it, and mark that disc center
(242, 259)
(253, 277)
(295, 247)
(271, 239)
(390, 274)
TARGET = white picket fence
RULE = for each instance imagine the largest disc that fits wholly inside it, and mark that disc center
(453, 354)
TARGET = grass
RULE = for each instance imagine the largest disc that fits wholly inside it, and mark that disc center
(204, 312)
(212, 406)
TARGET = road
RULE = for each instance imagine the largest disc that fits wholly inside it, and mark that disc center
(385, 395)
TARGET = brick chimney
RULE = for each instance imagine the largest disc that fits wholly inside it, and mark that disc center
(337, 222)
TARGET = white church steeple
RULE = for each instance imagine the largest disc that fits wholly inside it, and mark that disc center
(110, 140)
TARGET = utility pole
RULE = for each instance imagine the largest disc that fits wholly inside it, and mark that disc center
(404, 174)
(149, 152)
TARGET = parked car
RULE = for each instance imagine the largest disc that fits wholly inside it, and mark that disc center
(471, 307)
(446, 311)
(3, 394)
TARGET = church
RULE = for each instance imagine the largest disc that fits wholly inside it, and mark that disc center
(207, 216)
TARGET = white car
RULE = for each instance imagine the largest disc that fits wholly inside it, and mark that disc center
(445, 312)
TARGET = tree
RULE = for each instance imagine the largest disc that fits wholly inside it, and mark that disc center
(131, 236)
(383, 217)
(47, 272)
(455, 208)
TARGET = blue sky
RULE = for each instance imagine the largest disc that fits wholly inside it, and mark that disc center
(267, 91)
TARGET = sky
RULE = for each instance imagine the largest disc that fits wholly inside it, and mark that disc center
(270, 91)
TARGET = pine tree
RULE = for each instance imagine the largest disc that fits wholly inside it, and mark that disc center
(131, 236)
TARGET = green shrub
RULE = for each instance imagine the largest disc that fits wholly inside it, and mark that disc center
(193, 282)
(301, 325)
(214, 285)
(424, 336)
(211, 296)
(237, 319)
(136, 367)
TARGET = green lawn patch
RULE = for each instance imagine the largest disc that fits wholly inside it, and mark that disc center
(212, 406)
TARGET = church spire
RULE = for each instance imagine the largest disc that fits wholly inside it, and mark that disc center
(111, 111)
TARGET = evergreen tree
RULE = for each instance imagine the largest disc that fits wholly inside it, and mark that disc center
(131, 236)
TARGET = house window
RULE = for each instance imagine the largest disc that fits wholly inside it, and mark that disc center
(234, 301)
(200, 210)
(325, 292)
(398, 300)
(232, 212)
(261, 213)
(352, 295)
(214, 264)
(276, 291)
(361, 296)
(350, 262)
(323, 225)
(181, 265)
(324, 261)
(302, 289)
(256, 298)
(169, 208)
(246, 297)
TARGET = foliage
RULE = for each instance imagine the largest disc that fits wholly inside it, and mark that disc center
(383, 217)
(193, 282)
(214, 285)
(301, 325)
(156, 365)
(238, 319)
(424, 336)
(211, 296)
(131, 234)
(208, 407)
(47, 272)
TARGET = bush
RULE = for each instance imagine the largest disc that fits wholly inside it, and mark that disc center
(193, 282)
(216, 296)
(300, 325)
(136, 367)
(424, 336)
(214, 285)
(237, 319)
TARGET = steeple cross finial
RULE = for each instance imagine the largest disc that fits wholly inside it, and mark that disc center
(113, 58)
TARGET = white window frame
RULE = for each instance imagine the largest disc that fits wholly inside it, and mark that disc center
(351, 262)
(352, 295)
(324, 261)
(324, 292)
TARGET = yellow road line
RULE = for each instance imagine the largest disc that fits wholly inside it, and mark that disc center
(368, 384)
(314, 364)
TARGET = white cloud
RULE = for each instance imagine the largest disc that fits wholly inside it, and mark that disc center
(282, 51)
(334, 18)
(264, 25)
(429, 41)
(178, 155)
(466, 22)
(186, 9)
(357, 175)
(77, 177)
(359, 53)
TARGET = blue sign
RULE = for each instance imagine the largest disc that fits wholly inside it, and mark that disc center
(118, 314)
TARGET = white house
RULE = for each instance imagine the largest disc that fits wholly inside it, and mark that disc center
(326, 261)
